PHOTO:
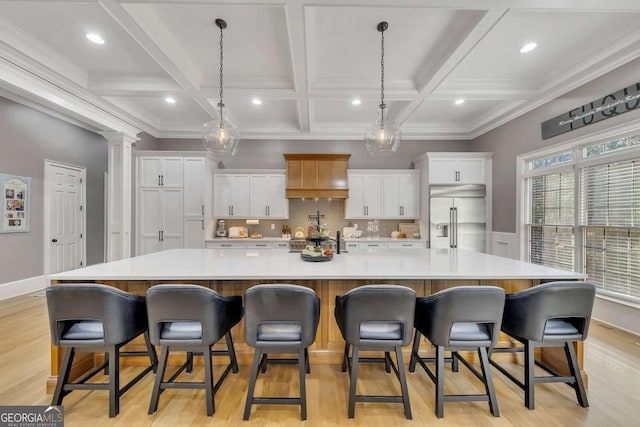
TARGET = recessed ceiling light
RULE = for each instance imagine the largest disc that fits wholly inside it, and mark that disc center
(528, 47)
(95, 38)
(170, 100)
(356, 102)
(256, 101)
(459, 101)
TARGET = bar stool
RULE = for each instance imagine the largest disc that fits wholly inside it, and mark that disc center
(379, 318)
(456, 319)
(280, 318)
(191, 318)
(96, 318)
(555, 314)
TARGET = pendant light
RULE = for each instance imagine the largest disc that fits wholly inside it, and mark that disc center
(383, 136)
(220, 135)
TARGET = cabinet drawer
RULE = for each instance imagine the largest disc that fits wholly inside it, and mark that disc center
(352, 246)
(225, 245)
(372, 245)
(260, 245)
(405, 245)
(282, 245)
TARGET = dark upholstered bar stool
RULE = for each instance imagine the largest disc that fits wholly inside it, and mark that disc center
(458, 319)
(379, 318)
(279, 319)
(96, 318)
(555, 314)
(191, 318)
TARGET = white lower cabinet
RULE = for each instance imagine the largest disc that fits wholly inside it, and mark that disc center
(193, 233)
(247, 244)
(160, 220)
(407, 245)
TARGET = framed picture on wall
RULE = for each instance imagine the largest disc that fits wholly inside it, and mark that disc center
(16, 206)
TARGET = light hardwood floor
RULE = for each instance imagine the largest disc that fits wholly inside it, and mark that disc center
(612, 360)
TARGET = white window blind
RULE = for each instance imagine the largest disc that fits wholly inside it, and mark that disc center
(610, 215)
(550, 219)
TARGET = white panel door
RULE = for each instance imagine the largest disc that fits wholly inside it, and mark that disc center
(240, 196)
(471, 171)
(278, 202)
(409, 191)
(173, 227)
(150, 172)
(391, 205)
(172, 172)
(373, 196)
(65, 219)
(193, 187)
(442, 171)
(355, 202)
(194, 233)
(222, 196)
(259, 196)
(150, 221)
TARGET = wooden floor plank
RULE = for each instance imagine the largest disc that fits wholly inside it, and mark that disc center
(612, 360)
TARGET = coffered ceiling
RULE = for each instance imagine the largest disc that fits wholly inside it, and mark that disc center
(306, 60)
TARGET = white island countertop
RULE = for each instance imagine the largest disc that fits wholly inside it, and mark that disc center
(239, 264)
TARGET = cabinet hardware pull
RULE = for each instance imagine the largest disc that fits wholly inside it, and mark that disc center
(159, 180)
(162, 180)
(407, 245)
(225, 246)
(373, 246)
(159, 236)
(261, 246)
(203, 224)
(202, 210)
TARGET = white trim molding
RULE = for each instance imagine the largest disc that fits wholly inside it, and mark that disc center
(22, 286)
(617, 314)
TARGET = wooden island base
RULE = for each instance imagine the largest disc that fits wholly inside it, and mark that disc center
(329, 345)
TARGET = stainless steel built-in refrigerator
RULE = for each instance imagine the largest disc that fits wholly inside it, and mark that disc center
(458, 217)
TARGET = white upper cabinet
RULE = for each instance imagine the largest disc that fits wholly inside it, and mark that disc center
(465, 169)
(194, 188)
(267, 196)
(365, 195)
(259, 195)
(402, 195)
(231, 196)
(160, 172)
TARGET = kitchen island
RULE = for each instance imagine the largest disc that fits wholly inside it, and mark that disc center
(231, 272)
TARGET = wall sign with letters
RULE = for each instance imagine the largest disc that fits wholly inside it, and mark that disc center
(616, 103)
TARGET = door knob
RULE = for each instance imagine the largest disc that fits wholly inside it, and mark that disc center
(54, 240)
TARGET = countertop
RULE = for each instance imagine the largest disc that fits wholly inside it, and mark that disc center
(240, 264)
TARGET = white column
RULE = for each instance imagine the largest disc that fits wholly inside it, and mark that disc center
(119, 195)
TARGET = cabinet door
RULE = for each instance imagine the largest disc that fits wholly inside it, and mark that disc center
(173, 219)
(149, 221)
(259, 196)
(391, 207)
(150, 171)
(193, 233)
(278, 202)
(471, 171)
(172, 172)
(373, 196)
(222, 195)
(240, 196)
(193, 187)
(355, 202)
(442, 171)
(409, 195)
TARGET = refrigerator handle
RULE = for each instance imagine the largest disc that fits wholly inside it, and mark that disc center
(451, 227)
(455, 223)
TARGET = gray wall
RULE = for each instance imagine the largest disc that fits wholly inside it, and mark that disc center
(27, 138)
(257, 154)
(522, 135)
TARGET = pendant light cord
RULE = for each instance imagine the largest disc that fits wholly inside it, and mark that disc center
(221, 104)
(382, 106)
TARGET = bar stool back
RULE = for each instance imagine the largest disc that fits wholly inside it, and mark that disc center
(91, 317)
(280, 318)
(191, 318)
(555, 314)
(379, 318)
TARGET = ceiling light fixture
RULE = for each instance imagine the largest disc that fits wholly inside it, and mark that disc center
(220, 136)
(95, 38)
(170, 100)
(383, 136)
(528, 47)
(256, 101)
(459, 101)
(356, 102)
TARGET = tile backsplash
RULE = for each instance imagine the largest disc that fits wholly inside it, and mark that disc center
(333, 211)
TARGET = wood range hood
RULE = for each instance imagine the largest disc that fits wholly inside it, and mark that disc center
(321, 176)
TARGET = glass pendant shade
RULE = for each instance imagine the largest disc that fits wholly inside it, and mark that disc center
(383, 136)
(221, 137)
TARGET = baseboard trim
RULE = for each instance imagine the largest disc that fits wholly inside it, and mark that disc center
(21, 287)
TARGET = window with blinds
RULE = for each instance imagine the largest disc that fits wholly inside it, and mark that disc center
(610, 216)
(550, 219)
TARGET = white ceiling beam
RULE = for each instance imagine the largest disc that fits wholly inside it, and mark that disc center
(488, 21)
(295, 16)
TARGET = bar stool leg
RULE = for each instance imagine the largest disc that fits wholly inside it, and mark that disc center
(354, 380)
(162, 365)
(387, 362)
(403, 384)
(345, 358)
(252, 383)
(439, 381)
(488, 381)
(208, 380)
(529, 375)
(263, 363)
(114, 382)
(454, 361)
(232, 352)
(302, 369)
(306, 359)
(414, 351)
(153, 357)
(581, 395)
(63, 376)
(190, 361)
